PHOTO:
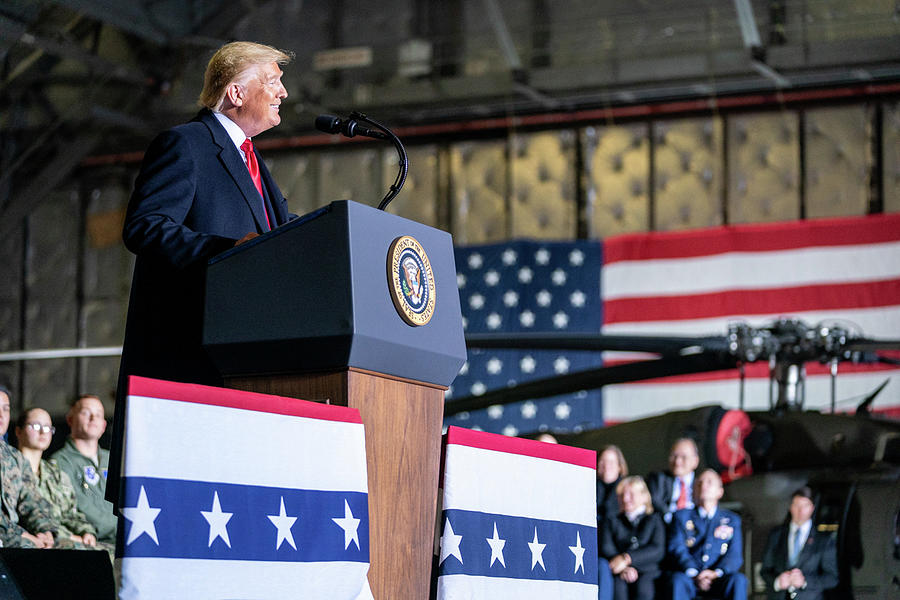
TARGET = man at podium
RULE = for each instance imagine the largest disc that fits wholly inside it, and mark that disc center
(202, 189)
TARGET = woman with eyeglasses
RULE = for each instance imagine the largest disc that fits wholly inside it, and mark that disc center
(34, 432)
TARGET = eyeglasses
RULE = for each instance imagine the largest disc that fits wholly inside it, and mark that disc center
(42, 428)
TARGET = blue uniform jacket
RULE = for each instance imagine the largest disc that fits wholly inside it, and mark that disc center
(699, 543)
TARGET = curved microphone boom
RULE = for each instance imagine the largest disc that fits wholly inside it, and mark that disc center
(351, 128)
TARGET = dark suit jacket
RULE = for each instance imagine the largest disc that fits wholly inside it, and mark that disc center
(817, 560)
(660, 483)
(645, 541)
(698, 543)
(193, 199)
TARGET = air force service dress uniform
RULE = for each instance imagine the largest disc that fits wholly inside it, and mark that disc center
(698, 542)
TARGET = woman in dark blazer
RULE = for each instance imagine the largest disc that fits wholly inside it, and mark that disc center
(634, 542)
(611, 468)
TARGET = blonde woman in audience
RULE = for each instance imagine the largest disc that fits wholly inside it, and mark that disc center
(634, 542)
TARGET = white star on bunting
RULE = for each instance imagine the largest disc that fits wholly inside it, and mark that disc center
(450, 544)
(350, 525)
(142, 517)
(218, 521)
(496, 545)
(283, 524)
(578, 551)
(537, 552)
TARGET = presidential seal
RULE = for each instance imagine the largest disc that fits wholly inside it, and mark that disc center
(410, 280)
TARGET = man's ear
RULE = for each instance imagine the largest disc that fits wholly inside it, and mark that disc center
(234, 93)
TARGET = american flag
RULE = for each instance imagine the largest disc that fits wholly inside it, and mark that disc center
(528, 287)
(844, 271)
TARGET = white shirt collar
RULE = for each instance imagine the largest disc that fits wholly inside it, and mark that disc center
(702, 512)
(233, 130)
(633, 515)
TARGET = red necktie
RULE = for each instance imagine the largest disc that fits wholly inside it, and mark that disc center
(682, 495)
(253, 166)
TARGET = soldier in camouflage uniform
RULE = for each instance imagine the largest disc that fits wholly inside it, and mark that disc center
(25, 520)
(33, 432)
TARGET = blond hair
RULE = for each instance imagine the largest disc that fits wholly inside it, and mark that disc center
(636, 482)
(231, 63)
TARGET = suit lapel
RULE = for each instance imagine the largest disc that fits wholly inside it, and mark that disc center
(231, 160)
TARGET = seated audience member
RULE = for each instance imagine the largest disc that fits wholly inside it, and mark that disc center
(799, 563)
(671, 490)
(86, 464)
(25, 520)
(611, 468)
(34, 432)
(633, 542)
(705, 546)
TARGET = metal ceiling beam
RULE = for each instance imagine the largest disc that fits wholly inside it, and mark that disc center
(70, 50)
(127, 16)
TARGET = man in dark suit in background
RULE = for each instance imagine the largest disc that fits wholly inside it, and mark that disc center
(799, 563)
(705, 546)
(202, 189)
(672, 490)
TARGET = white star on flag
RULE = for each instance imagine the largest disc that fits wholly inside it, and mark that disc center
(578, 551)
(350, 525)
(450, 544)
(562, 411)
(543, 298)
(475, 261)
(509, 257)
(494, 321)
(495, 411)
(561, 365)
(537, 552)
(560, 320)
(460, 280)
(525, 275)
(496, 545)
(142, 517)
(476, 301)
(558, 277)
(283, 524)
(510, 430)
(542, 256)
(478, 388)
(526, 318)
(527, 364)
(218, 521)
(576, 258)
(494, 365)
(492, 278)
(577, 298)
(510, 298)
(529, 410)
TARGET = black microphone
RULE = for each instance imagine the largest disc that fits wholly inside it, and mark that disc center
(349, 127)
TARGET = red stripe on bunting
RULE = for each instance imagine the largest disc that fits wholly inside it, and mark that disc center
(215, 396)
(513, 445)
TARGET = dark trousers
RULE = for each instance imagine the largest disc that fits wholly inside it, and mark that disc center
(642, 589)
(727, 587)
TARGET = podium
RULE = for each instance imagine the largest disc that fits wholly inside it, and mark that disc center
(320, 309)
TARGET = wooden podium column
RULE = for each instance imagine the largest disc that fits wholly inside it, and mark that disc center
(402, 420)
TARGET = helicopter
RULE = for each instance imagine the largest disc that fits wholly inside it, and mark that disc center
(852, 461)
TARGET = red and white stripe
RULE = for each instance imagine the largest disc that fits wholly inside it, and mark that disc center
(697, 282)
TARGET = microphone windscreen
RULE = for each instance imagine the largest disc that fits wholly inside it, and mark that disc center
(328, 124)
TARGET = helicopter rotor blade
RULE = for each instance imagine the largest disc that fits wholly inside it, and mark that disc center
(664, 345)
(593, 378)
(870, 345)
